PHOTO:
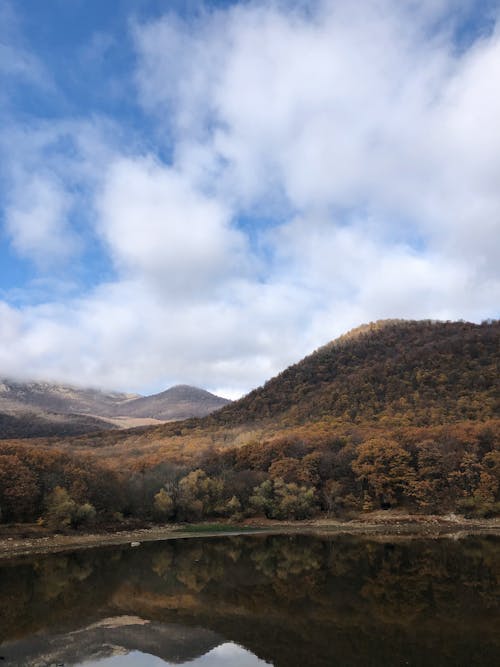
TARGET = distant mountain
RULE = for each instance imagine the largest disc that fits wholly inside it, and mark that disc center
(37, 409)
(179, 402)
(59, 398)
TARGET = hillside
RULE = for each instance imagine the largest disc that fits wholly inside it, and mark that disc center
(386, 374)
(418, 372)
(35, 423)
(392, 415)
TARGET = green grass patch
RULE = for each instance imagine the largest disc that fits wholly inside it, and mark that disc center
(216, 528)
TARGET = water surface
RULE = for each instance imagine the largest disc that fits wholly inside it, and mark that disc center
(249, 601)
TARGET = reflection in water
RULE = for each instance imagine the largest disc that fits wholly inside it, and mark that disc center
(225, 655)
(288, 600)
(132, 659)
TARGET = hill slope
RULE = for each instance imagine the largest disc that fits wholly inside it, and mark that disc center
(391, 374)
(394, 414)
(421, 371)
(35, 423)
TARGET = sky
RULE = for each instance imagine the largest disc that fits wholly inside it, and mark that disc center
(205, 192)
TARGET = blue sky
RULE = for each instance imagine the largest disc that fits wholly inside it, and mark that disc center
(204, 192)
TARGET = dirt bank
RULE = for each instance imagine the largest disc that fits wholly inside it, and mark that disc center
(19, 541)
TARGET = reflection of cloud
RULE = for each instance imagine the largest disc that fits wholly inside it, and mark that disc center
(225, 655)
(132, 659)
(228, 654)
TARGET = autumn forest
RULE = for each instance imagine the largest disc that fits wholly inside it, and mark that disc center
(394, 415)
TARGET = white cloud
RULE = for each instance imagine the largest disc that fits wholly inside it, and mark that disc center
(360, 129)
(50, 172)
(371, 109)
(158, 226)
(36, 222)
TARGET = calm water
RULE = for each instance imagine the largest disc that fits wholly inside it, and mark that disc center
(256, 600)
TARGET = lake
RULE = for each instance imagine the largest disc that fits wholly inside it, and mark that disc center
(249, 601)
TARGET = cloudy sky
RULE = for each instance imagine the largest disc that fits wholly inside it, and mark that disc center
(204, 192)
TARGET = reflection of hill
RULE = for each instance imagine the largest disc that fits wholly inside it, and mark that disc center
(173, 643)
(342, 600)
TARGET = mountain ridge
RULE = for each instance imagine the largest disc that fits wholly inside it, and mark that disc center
(38, 409)
(399, 375)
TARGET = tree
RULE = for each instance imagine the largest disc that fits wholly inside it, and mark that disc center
(18, 489)
(164, 505)
(199, 495)
(63, 512)
(278, 500)
(84, 515)
(384, 466)
(234, 508)
(61, 509)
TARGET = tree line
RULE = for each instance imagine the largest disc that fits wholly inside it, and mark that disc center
(304, 472)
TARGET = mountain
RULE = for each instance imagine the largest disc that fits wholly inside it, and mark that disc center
(37, 409)
(419, 372)
(179, 402)
(394, 414)
(59, 398)
(384, 375)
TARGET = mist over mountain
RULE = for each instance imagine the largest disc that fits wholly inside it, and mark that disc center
(60, 398)
(37, 409)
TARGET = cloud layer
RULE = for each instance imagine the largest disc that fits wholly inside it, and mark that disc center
(305, 168)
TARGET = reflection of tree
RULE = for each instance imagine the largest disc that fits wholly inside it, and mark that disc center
(195, 567)
(49, 590)
(162, 563)
(282, 559)
(55, 576)
(348, 593)
(397, 593)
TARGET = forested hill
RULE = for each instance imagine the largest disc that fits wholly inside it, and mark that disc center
(392, 415)
(420, 372)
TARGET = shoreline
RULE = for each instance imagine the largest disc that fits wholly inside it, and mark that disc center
(376, 526)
